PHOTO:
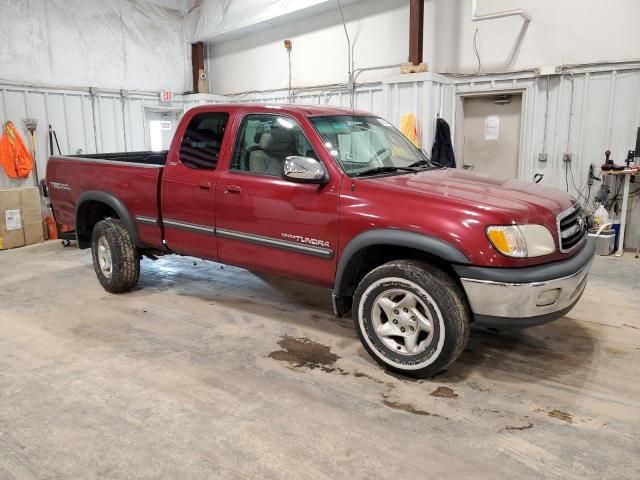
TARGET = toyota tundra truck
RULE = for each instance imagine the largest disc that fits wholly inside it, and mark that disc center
(340, 199)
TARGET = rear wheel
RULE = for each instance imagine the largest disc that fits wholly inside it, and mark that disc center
(411, 317)
(115, 258)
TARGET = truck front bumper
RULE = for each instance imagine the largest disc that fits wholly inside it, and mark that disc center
(525, 297)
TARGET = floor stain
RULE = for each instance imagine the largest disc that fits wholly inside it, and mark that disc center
(444, 392)
(478, 388)
(359, 374)
(302, 352)
(560, 415)
(406, 407)
(521, 427)
(630, 326)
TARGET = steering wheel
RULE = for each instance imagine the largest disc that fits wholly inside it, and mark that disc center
(377, 155)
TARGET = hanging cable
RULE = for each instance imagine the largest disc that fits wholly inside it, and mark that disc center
(546, 117)
(346, 33)
(475, 49)
(349, 56)
(290, 87)
(570, 113)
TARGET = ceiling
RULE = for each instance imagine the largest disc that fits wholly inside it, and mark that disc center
(219, 21)
(183, 6)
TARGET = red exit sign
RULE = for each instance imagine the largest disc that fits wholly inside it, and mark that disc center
(166, 96)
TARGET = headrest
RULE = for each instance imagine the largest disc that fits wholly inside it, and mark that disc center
(265, 141)
(277, 140)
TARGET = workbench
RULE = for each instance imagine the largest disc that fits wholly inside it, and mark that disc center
(625, 201)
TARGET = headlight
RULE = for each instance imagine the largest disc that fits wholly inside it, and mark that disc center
(521, 241)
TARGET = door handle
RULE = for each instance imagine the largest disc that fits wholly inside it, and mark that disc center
(204, 186)
(233, 190)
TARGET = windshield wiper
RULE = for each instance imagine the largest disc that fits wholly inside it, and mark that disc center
(425, 163)
(385, 169)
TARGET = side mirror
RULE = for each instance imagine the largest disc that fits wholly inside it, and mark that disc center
(304, 170)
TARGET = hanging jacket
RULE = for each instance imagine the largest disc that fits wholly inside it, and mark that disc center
(442, 150)
(409, 128)
(14, 155)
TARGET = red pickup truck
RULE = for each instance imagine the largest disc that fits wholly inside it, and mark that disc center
(340, 199)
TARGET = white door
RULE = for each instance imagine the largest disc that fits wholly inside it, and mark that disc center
(489, 137)
(160, 127)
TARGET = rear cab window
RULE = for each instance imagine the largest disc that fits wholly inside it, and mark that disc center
(202, 140)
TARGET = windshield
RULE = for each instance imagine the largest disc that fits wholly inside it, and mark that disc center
(368, 145)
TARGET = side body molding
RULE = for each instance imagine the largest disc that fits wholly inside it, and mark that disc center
(399, 238)
(113, 202)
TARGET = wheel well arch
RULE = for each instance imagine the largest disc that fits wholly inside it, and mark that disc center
(377, 247)
(95, 206)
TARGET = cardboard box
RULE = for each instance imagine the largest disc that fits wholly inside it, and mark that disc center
(20, 217)
(31, 215)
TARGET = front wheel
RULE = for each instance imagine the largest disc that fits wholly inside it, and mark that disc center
(115, 257)
(411, 317)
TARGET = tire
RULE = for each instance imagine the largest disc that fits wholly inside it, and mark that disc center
(115, 257)
(411, 317)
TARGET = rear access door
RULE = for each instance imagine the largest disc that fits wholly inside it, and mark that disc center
(189, 180)
(488, 134)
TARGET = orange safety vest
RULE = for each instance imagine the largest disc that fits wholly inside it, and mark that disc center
(14, 155)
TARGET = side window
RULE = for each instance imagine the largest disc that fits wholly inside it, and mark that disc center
(202, 141)
(264, 141)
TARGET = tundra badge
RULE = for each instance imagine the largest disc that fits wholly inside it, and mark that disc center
(60, 186)
(307, 240)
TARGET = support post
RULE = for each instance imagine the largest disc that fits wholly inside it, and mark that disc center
(197, 62)
(416, 29)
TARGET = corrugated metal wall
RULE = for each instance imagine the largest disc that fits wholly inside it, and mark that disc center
(604, 114)
(101, 121)
(589, 112)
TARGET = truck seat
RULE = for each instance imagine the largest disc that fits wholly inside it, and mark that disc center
(274, 147)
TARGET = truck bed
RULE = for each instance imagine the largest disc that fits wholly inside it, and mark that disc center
(132, 179)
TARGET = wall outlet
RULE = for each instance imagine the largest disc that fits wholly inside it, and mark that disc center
(542, 157)
(567, 157)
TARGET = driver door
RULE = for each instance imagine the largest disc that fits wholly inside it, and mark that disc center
(268, 223)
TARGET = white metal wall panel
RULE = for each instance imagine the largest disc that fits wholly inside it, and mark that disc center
(135, 125)
(71, 114)
(606, 114)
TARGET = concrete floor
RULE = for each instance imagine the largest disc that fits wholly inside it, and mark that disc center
(210, 372)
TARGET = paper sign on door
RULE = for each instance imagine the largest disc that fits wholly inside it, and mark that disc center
(491, 127)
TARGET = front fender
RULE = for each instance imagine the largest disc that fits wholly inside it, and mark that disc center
(400, 238)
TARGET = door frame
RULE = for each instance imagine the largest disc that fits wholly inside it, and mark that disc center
(154, 109)
(458, 137)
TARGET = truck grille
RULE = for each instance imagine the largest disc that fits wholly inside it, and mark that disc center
(571, 228)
